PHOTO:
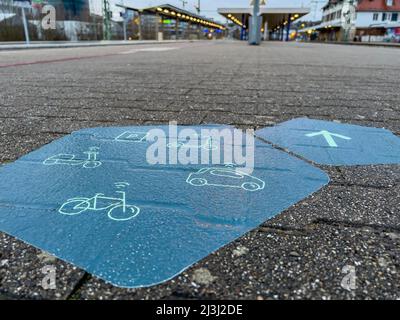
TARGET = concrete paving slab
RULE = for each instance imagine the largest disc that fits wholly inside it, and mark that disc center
(387, 176)
(328, 82)
(24, 269)
(353, 205)
(79, 44)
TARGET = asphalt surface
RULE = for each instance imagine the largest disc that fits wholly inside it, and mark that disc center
(354, 221)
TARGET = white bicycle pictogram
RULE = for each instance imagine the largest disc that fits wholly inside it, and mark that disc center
(117, 208)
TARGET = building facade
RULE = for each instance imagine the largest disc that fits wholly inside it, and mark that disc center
(338, 20)
(359, 20)
(378, 20)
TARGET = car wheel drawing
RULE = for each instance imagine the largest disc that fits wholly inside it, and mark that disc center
(251, 186)
(198, 182)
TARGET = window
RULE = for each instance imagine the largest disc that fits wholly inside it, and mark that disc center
(389, 3)
(384, 16)
(338, 14)
(395, 16)
(375, 16)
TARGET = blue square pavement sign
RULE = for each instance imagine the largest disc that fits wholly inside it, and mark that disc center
(92, 199)
(332, 143)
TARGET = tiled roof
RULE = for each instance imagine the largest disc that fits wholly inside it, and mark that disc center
(377, 5)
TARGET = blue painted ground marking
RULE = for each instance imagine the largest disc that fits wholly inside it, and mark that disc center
(332, 143)
(134, 224)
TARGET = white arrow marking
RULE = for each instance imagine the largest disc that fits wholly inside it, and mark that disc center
(328, 137)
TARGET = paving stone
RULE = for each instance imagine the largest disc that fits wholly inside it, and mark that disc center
(22, 273)
(348, 205)
(300, 254)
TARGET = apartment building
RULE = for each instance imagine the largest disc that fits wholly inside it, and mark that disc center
(358, 20)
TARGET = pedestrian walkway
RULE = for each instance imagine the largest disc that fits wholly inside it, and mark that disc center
(307, 250)
(80, 44)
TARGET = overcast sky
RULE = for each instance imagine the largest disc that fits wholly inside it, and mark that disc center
(209, 7)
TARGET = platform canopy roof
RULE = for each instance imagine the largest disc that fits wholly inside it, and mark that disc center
(274, 16)
(172, 12)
